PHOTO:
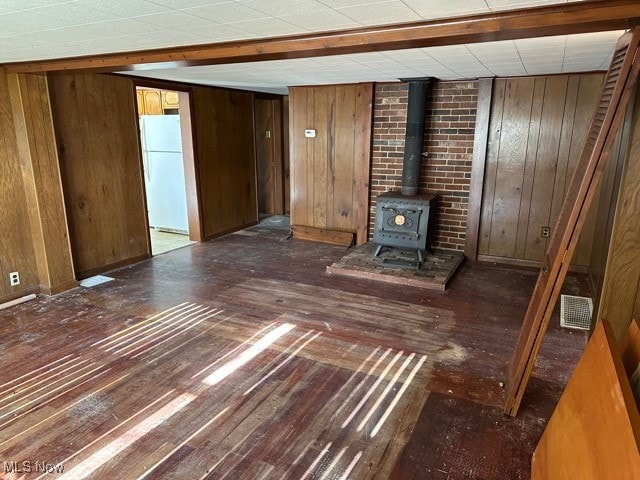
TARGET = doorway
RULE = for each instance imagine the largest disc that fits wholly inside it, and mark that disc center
(161, 142)
(271, 126)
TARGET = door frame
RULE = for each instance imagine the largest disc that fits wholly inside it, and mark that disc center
(277, 112)
(189, 148)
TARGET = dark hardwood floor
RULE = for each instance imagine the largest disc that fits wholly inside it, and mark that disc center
(241, 359)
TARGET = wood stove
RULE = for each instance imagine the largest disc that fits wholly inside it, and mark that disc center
(406, 219)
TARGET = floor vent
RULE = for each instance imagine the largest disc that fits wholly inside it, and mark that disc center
(575, 312)
(93, 281)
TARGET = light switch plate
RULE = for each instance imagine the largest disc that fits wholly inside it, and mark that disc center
(310, 133)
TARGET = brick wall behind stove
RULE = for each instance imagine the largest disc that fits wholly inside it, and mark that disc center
(448, 141)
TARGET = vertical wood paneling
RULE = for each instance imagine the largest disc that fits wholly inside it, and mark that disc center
(278, 155)
(285, 154)
(265, 156)
(192, 183)
(224, 132)
(269, 155)
(480, 142)
(510, 171)
(330, 173)
(537, 127)
(97, 136)
(362, 162)
(606, 208)
(621, 284)
(323, 119)
(16, 250)
(546, 163)
(43, 187)
(345, 142)
(528, 192)
(488, 193)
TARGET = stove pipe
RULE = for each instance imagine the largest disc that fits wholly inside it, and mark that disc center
(416, 111)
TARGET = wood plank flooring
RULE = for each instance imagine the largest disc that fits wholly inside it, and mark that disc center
(240, 358)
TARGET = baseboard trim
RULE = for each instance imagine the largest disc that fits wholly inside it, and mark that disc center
(517, 262)
(112, 266)
(56, 289)
(323, 235)
(230, 230)
(22, 293)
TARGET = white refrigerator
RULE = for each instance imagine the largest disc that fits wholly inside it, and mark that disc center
(164, 172)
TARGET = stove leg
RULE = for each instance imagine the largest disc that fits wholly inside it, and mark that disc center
(378, 250)
(420, 256)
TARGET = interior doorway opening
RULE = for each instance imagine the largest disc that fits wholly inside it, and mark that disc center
(163, 159)
(272, 158)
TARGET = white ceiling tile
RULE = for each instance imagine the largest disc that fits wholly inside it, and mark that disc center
(558, 41)
(218, 33)
(410, 54)
(369, 57)
(279, 8)
(75, 14)
(179, 4)
(226, 13)
(511, 4)
(14, 42)
(594, 38)
(493, 48)
(125, 8)
(175, 19)
(268, 27)
(7, 6)
(450, 8)
(25, 22)
(393, 11)
(321, 20)
(351, 3)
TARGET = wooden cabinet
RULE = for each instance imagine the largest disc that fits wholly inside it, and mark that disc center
(155, 102)
(594, 433)
(169, 100)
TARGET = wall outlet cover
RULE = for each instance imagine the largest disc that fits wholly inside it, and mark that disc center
(14, 279)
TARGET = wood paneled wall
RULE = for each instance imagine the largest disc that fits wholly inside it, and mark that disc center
(224, 132)
(537, 128)
(42, 181)
(269, 155)
(98, 145)
(330, 173)
(285, 152)
(605, 209)
(620, 299)
(16, 248)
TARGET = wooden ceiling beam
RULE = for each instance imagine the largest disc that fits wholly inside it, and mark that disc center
(576, 17)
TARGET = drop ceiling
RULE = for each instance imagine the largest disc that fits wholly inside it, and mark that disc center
(45, 29)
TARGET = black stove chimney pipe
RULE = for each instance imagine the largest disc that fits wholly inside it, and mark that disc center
(416, 110)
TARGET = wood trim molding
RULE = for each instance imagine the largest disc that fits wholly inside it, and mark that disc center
(113, 266)
(141, 169)
(231, 230)
(517, 262)
(190, 159)
(56, 289)
(576, 17)
(362, 161)
(19, 294)
(323, 235)
(480, 144)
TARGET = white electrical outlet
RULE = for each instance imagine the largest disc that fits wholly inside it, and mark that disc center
(14, 278)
